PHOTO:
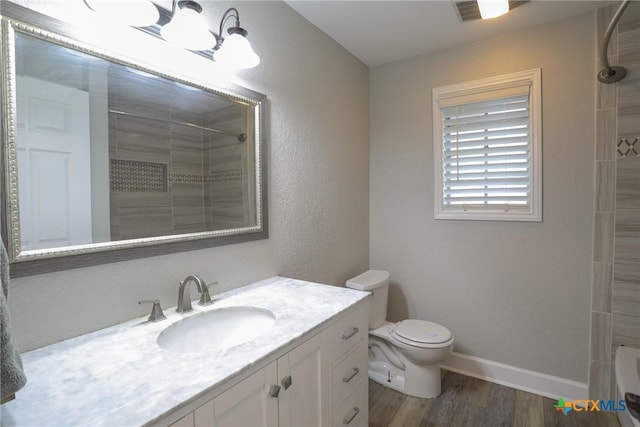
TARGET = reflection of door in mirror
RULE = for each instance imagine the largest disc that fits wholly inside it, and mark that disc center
(53, 128)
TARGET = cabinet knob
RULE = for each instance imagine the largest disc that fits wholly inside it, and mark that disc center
(354, 412)
(351, 333)
(349, 377)
(274, 391)
(287, 382)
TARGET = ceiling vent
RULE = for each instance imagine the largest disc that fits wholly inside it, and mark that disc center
(469, 11)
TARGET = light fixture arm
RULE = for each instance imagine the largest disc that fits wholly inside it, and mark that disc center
(232, 12)
(189, 4)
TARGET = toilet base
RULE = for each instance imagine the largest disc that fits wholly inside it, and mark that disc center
(424, 384)
(390, 368)
(423, 381)
(387, 375)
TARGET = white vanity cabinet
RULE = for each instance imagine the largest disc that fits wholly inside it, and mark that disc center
(321, 382)
(318, 339)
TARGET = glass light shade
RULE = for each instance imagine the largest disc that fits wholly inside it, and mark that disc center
(236, 52)
(189, 30)
(136, 13)
(493, 8)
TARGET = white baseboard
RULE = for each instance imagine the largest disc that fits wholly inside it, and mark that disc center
(518, 378)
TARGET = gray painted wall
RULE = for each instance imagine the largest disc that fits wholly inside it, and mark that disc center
(318, 182)
(522, 299)
(515, 293)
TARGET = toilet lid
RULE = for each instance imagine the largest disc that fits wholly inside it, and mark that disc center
(421, 331)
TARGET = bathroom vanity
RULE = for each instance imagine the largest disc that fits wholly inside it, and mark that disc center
(308, 368)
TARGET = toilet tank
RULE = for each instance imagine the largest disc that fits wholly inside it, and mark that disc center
(376, 282)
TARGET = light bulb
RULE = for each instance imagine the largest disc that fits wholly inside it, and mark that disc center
(188, 29)
(493, 8)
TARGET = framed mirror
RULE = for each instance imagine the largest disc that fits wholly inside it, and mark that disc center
(106, 160)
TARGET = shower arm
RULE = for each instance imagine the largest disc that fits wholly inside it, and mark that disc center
(610, 74)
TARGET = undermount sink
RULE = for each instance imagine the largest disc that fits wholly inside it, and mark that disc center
(215, 330)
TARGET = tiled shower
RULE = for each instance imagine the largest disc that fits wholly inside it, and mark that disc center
(167, 178)
(615, 315)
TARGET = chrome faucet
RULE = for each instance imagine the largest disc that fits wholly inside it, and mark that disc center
(184, 297)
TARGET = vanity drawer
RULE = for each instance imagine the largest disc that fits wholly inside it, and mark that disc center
(348, 374)
(354, 411)
(348, 332)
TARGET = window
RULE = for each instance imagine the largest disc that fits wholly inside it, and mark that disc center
(487, 149)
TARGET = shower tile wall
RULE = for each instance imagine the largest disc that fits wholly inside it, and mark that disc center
(205, 174)
(178, 208)
(615, 318)
(187, 187)
(226, 197)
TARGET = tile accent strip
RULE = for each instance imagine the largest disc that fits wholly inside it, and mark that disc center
(185, 178)
(628, 148)
(223, 176)
(226, 176)
(134, 176)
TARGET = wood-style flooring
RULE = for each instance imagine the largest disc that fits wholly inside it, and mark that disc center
(467, 401)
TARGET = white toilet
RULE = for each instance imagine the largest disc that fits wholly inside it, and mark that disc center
(404, 356)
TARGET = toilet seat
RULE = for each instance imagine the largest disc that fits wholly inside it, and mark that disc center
(421, 333)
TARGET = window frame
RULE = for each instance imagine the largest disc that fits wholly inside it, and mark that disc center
(482, 89)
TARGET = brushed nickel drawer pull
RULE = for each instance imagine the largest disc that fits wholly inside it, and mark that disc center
(351, 416)
(274, 391)
(286, 382)
(349, 377)
(348, 335)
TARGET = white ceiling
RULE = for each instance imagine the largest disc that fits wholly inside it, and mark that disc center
(378, 32)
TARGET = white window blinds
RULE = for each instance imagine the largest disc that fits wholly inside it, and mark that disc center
(487, 149)
(486, 153)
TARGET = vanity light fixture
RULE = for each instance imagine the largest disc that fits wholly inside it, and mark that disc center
(184, 26)
(493, 8)
(235, 51)
(189, 30)
(135, 13)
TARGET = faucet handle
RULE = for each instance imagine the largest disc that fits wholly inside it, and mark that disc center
(156, 311)
(205, 297)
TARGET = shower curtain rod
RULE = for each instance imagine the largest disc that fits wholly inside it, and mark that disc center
(241, 137)
(610, 74)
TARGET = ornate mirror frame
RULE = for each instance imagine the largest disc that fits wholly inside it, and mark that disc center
(15, 19)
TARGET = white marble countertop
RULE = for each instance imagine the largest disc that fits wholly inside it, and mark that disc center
(119, 375)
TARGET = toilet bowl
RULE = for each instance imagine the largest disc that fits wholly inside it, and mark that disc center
(405, 355)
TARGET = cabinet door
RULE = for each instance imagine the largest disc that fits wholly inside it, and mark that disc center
(304, 401)
(248, 403)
